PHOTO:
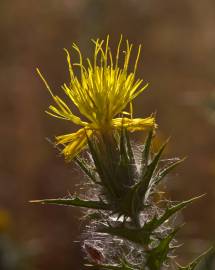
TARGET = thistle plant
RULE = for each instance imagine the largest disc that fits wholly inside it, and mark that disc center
(130, 223)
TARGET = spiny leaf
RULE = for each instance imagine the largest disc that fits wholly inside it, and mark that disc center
(138, 236)
(158, 255)
(123, 148)
(86, 169)
(132, 168)
(142, 235)
(126, 167)
(95, 157)
(142, 186)
(146, 150)
(127, 204)
(102, 171)
(208, 261)
(156, 222)
(194, 263)
(129, 148)
(75, 202)
(165, 171)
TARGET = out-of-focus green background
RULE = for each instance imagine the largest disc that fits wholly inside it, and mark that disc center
(179, 62)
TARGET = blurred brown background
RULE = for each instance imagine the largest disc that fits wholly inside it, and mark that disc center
(178, 61)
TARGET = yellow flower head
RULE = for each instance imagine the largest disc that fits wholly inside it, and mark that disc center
(101, 92)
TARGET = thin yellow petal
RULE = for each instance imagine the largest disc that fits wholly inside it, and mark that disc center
(103, 89)
(134, 124)
(74, 142)
(45, 82)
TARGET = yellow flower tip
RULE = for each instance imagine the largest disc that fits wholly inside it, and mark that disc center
(45, 82)
(134, 124)
(74, 143)
(101, 91)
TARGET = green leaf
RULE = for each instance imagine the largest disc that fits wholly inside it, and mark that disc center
(75, 202)
(194, 263)
(123, 146)
(126, 167)
(96, 158)
(142, 186)
(129, 148)
(86, 169)
(156, 222)
(158, 255)
(146, 150)
(103, 172)
(142, 235)
(132, 168)
(166, 170)
(138, 236)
